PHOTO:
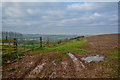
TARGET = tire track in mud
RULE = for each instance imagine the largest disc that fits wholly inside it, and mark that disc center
(46, 67)
(53, 68)
(62, 69)
(33, 71)
(90, 71)
(79, 66)
(36, 71)
(43, 68)
(67, 68)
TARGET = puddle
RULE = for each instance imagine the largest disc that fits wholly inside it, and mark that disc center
(53, 74)
(78, 55)
(78, 64)
(29, 64)
(72, 56)
(53, 62)
(65, 64)
(96, 58)
(36, 71)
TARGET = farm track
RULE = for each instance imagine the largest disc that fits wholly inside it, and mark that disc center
(46, 69)
(32, 68)
(49, 69)
(79, 66)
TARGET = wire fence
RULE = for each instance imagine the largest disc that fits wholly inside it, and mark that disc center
(27, 44)
(24, 44)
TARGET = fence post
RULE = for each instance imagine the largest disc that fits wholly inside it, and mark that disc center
(40, 41)
(33, 43)
(9, 47)
(15, 45)
(48, 42)
(24, 43)
(6, 36)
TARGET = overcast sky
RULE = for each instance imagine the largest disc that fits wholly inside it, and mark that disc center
(60, 17)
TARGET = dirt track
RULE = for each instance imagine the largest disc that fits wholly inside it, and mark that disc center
(45, 65)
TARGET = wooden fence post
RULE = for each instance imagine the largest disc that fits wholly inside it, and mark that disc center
(33, 43)
(15, 45)
(24, 43)
(9, 50)
(40, 41)
(48, 42)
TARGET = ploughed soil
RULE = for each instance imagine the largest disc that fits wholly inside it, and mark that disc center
(51, 65)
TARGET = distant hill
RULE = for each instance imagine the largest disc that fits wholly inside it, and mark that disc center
(51, 37)
(12, 35)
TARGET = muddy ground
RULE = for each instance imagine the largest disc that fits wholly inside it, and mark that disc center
(51, 65)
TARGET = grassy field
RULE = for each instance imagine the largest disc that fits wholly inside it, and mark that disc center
(71, 46)
(22, 48)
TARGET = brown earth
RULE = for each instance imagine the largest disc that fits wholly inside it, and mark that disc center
(63, 66)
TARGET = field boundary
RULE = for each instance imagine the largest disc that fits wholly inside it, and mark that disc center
(9, 46)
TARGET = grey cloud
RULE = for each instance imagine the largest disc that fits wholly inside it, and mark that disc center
(60, 17)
